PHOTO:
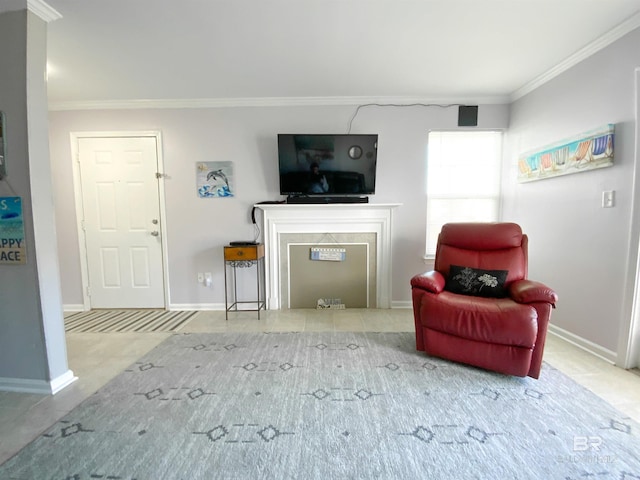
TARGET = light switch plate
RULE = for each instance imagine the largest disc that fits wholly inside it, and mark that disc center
(608, 198)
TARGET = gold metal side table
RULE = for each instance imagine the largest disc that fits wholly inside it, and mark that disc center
(241, 257)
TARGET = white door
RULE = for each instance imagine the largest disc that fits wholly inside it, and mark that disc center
(121, 207)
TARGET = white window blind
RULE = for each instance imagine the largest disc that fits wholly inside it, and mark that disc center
(463, 180)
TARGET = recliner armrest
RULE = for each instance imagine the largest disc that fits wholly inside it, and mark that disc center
(529, 291)
(431, 281)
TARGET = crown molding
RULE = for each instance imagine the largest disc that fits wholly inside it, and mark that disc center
(267, 102)
(605, 40)
(42, 9)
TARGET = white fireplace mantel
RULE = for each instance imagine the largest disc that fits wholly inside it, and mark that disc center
(278, 219)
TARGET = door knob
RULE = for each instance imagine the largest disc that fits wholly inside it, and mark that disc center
(155, 233)
(154, 221)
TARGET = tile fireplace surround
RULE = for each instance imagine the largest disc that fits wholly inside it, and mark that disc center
(281, 220)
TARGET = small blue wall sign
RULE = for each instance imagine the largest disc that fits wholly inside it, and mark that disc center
(13, 250)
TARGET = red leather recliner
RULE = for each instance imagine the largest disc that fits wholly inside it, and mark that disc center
(504, 334)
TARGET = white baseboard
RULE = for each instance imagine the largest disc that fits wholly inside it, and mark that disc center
(22, 385)
(172, 307)
(216, 306)
(72, 307)
(41, 387)
(196, 306)
(401, 304)
(62, 381)
(584, 344)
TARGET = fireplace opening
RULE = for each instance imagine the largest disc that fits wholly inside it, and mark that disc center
(303, 280)
(346, 279)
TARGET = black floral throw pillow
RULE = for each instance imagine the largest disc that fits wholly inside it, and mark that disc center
(477, 282)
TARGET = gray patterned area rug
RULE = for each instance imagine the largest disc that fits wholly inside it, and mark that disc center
(104, 321)
(329, 406)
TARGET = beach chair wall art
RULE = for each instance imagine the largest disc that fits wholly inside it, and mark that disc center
(584, 152)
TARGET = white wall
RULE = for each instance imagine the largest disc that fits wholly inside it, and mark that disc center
(199, 228)
(586, 253)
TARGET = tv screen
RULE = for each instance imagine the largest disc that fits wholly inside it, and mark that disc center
(327, 164)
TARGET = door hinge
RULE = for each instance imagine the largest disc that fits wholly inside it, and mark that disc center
(160, 175)
(88, 291)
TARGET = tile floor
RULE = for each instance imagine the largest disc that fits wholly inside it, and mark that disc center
(95, 358)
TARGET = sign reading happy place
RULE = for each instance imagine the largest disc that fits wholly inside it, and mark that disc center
(12, 247)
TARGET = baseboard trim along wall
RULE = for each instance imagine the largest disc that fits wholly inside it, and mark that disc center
(174, 307)
(41, 387)
(586, 345)
(73, 307)
(182, 307)
(221, 306)
(62, 381)
(401, 304)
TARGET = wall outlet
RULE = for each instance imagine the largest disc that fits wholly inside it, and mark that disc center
(201, 278)
(208, 279)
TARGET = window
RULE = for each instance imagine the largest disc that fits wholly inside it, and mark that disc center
(463, 180)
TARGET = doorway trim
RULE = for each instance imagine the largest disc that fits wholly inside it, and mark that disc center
(629, 339)
(77, 190)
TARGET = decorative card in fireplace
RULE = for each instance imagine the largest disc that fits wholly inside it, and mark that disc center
(328, 254)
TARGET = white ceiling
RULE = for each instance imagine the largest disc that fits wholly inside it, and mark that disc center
(104, 51)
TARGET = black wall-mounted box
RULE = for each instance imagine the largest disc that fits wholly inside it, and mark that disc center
(468, 116)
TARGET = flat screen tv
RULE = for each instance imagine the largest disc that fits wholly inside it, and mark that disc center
(329, 165)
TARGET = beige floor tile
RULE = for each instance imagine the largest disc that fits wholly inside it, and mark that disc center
(350, 325)
(577, 362)
(631, 409)
(17, 402)
(616, 386)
